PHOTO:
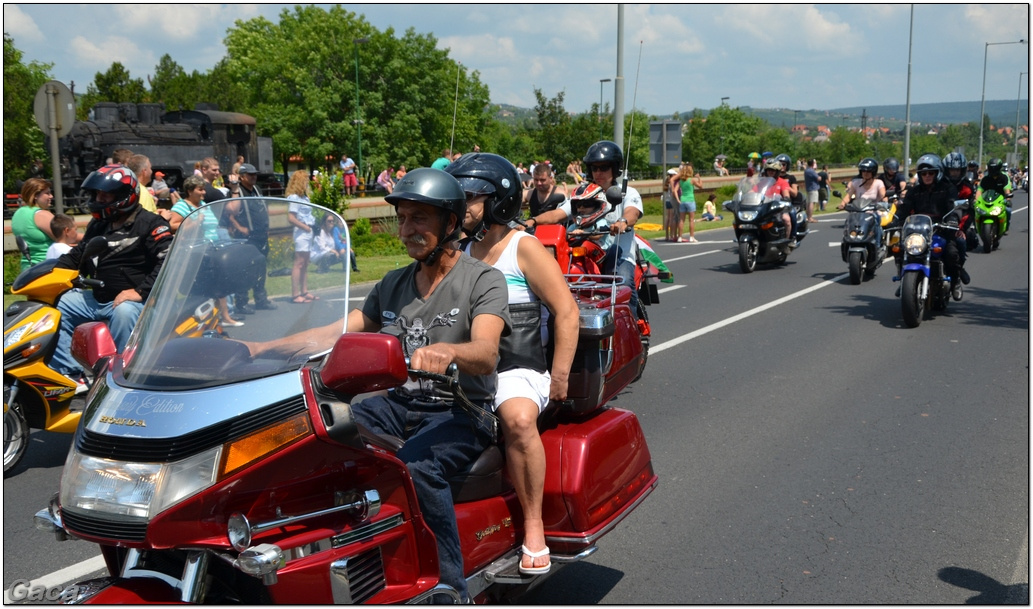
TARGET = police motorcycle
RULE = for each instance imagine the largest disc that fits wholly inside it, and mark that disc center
(924, 282)
(208, 475)
(760, 233)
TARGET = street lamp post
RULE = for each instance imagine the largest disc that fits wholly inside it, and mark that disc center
(358, 111)
(1018, 101)
(982, 104)
(723, 100)
(600, 114)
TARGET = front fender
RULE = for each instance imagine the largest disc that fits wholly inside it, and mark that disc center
(120, 591)
(914, 266)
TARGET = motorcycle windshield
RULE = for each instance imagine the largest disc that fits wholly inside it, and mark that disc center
(223, 255)
(754, 191)
(917, 223)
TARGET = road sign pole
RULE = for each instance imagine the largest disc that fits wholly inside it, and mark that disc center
(55, 153)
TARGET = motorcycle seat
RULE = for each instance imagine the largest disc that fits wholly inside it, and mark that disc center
(479, 480)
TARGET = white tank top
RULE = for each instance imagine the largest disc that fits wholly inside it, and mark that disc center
(516, 282)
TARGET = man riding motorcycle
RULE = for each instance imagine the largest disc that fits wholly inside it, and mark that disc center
(934, 196)
(894, 180)
(445, 308)
(955, 170)
(604, 162)
(137, 242)
(996, 180)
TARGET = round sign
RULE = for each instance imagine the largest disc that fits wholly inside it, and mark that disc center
(64, 107)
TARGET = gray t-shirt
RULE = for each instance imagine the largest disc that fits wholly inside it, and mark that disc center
(470, 289)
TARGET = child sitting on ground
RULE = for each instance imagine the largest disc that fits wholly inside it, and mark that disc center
(710, 211)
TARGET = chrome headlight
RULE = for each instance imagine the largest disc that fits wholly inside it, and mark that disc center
(135, 489)
(748, 216)
(915, 244)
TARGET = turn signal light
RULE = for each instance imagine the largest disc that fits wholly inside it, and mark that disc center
(578, 252)
(259, 444)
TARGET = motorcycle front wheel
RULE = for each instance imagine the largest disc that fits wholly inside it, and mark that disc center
(986, 235)
(912, 307)
(856, 263)
(16, 434)
(748, 256)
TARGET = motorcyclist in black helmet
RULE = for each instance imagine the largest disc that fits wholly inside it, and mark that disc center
(445, 308)
(138, 240)
(893, 178)
(526, 380)
(996, 180)
(955, 171)
(604, 163)
(934, 196)
(795, 196)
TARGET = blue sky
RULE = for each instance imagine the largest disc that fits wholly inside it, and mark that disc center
(762, 55)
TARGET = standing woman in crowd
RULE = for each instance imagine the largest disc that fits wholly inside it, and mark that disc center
(300, 216)
(688, 182)
(32, 220)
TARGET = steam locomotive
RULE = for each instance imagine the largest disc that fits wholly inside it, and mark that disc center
(174, 141)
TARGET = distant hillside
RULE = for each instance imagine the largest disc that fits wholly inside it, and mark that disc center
(1001, 112)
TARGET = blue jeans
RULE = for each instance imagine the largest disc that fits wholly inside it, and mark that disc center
(78, 307)
(439, 442)
(625, 269)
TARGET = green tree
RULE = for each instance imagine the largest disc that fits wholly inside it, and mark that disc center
(175, 88)
(23, 140)
(297, 77)
(114, 85)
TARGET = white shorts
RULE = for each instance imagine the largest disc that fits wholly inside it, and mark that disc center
(523, 383)
(812, 196)
(302, 241)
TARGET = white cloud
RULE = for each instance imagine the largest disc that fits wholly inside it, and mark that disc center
(20, 26)
(482, 49)
(99, 57)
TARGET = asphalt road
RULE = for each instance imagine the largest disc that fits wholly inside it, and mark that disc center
(810, 448)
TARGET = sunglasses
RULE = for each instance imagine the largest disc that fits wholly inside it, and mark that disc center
(594, 168)
(927, 172)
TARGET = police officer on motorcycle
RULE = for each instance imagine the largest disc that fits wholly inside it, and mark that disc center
(934, 196)
(137, 239)
(796, 198)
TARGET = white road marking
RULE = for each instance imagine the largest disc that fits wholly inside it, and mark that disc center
(670, 289)
(693, 255)
(653, 350)
(67, 575)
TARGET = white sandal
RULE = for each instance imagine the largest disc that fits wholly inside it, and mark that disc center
(534, 570)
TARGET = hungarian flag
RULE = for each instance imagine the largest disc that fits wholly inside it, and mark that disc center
(650, 256)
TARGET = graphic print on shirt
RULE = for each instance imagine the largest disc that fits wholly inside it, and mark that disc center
(414, 334)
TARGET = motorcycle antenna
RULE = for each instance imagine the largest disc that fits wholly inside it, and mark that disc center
(455, 107)
(631, 125)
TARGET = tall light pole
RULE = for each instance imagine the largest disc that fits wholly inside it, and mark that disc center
(1018, 100)
(723, 100)
(982, 104)
(600, 114)
(358, 110)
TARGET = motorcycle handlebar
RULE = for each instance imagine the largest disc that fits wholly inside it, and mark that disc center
(91, 283)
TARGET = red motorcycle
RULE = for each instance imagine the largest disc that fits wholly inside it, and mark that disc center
(208, 475)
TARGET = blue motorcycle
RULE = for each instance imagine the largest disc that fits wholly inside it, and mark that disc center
(924, 283)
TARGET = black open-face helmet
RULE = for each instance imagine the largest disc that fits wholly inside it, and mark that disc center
(118, 180)
(482, 173)
(438, 189)
(604, 152)
(891, 165)
(868, 164)
(785, 160)
(928, 162)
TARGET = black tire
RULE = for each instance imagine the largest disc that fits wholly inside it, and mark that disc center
(16, 434)
(856, 264)
(910, 307)
(645, 341)
(747, 256)
(986, 235)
